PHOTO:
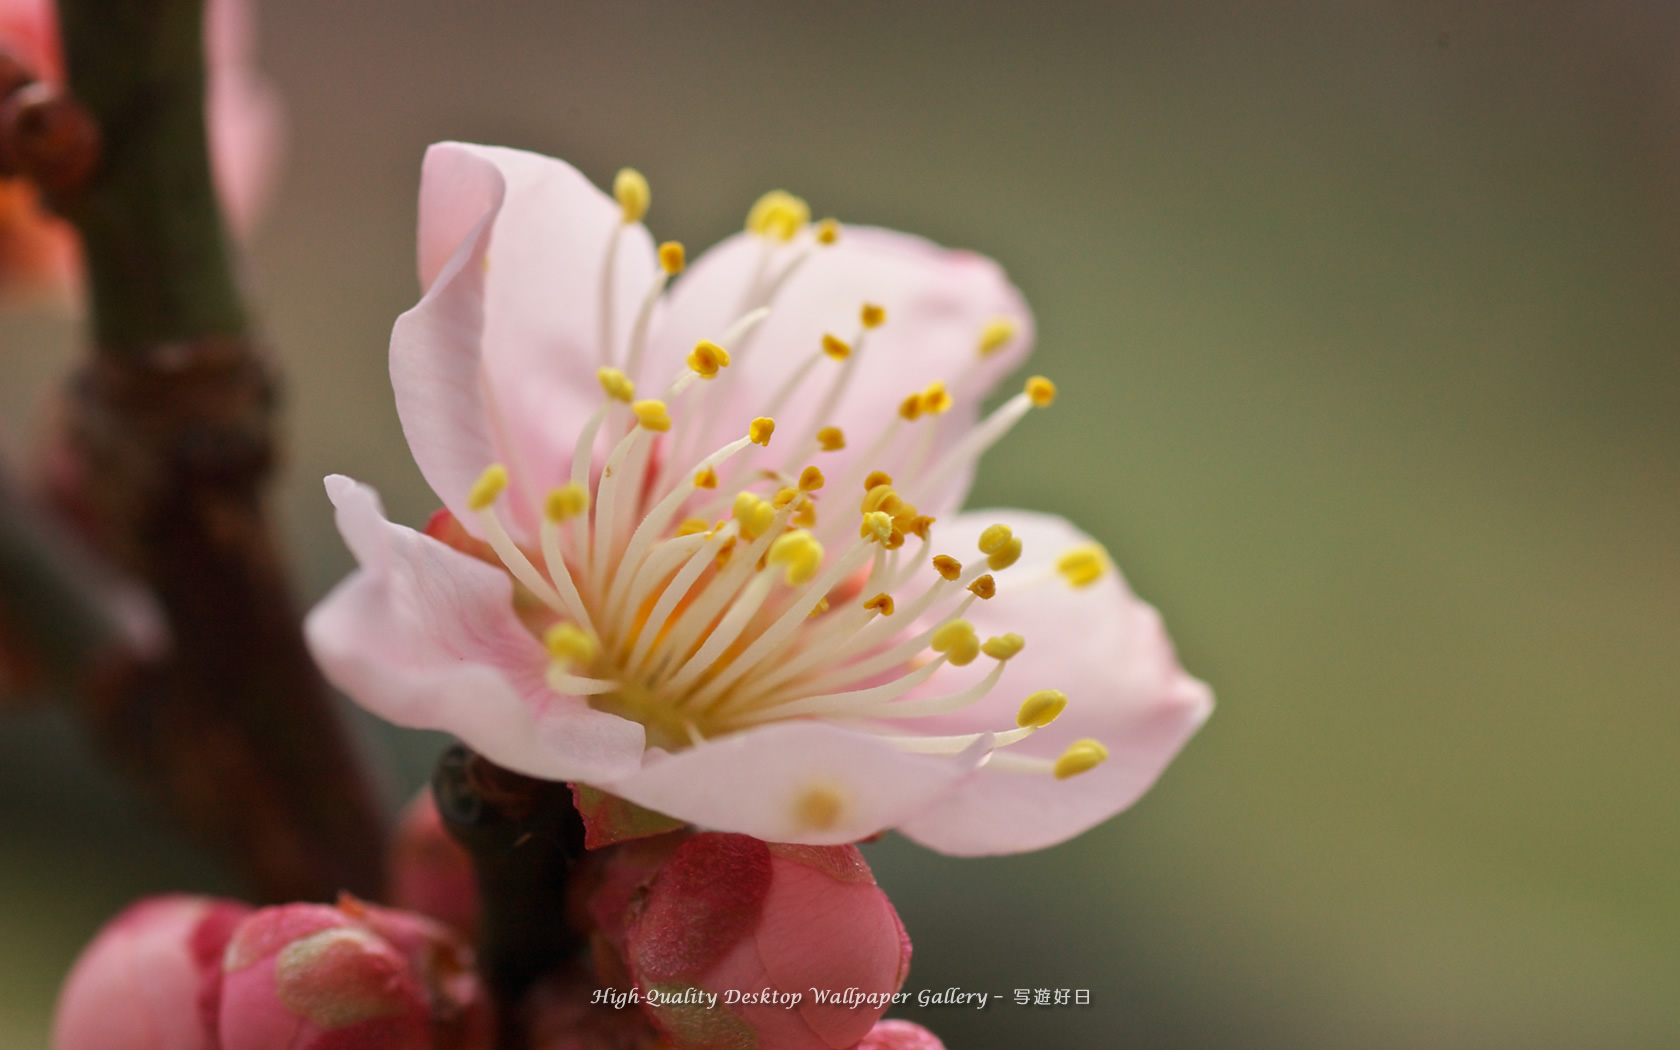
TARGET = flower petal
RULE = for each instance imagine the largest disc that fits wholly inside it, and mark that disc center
(938, 303)
(806, 782)
(1098, 644)
(498, 359)
(426, 637)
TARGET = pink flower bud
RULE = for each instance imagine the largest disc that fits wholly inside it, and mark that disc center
(145, 980)
(430, 872)
(900, 1035)
(354, 977)
(759, 926)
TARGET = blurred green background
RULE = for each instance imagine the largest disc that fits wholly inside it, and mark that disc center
(1367, 322)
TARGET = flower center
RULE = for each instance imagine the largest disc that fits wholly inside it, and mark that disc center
(695, 594)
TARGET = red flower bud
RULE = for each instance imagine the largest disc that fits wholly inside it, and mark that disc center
(149, 979)
(308, 977)
(730, 935)
(354, 977)
(430, 872)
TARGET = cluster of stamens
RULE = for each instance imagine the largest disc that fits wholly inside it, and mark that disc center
(699, 598)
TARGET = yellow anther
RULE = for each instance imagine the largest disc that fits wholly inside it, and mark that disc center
(936, 400)
(994, 538)
(761, 429)
(631, 191)
(904, 515)
(882, 602)
(876, 477)
(805, 517)
(984, 588)
(488, 486)
(707, 358)
(836, 347)
(725, 551)
(828, 231)
(910, 409)
(819, 608)
(778, 214)
(882, 498)
(894, 540)
(957, 641)
(876, 526)
(810, 479)
(1005, 556)
(744, 504)
(919, 526)
(1003, 646)
(672, 257)
(693, 527)
(783, 496)
(568, 644)
(617, 385)
(1041, 391)
(831, 439)
(566, 502)
(706, 479)
(1082, 756)
(800, 552)
(753, 514)
(1041, 708)
(947, 566)
(652, 414)
(998, 331)
(950, 634)
(1083, 566)
(872, 315)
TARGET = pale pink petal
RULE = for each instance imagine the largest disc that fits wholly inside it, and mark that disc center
(500, 354)
(938, 302)
(246, 118)
(807, 782)
(1098, 644)
(436, 372)
(425, 636)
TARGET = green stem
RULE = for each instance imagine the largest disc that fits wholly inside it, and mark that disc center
(157, 256)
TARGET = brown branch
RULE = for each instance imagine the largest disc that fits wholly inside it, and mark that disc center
(524, 835)
(67, 622)
(166, 453)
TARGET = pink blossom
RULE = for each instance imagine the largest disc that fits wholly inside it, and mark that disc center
(702, 548)
(148, 980)
(245, 122)
(726, 937)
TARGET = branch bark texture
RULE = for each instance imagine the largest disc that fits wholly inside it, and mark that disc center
(168, 448)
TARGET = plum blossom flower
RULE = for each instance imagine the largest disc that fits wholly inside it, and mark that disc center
(701, 546)
(245, 122)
